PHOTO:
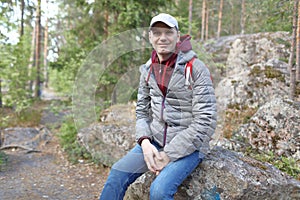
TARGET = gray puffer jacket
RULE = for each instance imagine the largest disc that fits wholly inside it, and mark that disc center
(185, 119)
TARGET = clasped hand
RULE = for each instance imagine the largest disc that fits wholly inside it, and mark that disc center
(154, 159)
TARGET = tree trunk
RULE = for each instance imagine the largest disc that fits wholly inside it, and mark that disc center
(0, 95)
(293, 42)
(203, 20)
(37, 91)
(292, 54)
(31, 60)
(106, 24)
(206, 21)
(298, 46)
(220, 19)
(292, 83)
(46, 51)
(22, 18)
(190, 16)
(232, 25)
(243, 14)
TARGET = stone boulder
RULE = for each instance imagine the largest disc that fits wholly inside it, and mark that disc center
(255, 71)
(239, 51)
(253, 86)
(29, 139)
(223, 173)
(228, 175)
(274, 128)
(248, 50)
(110, 139)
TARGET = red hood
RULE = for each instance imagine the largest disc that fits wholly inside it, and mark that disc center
(184, 44)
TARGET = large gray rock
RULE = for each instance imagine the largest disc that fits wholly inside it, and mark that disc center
(252, 66)
(110, 139)
(253, 86)
(274, 128)
(248, 50)
(29, 139)
(229, 175)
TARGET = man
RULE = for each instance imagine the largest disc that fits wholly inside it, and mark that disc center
(176, 116)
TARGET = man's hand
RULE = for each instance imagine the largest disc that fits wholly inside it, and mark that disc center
(161, 161)
(151, 154)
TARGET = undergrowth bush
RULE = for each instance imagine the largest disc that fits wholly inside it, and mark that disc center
(28, 117)
(68, 141)
(285, 164)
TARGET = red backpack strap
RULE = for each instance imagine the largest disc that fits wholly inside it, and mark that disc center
(188, 71)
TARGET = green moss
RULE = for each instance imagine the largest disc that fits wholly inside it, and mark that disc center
(271, 73)
(286, 43)
(3, 160)
(254, 163)
(235, 116)
(275, 140)
(233, 82)
(286, 60)
(255, 71)
(284, 164)
(249, 94)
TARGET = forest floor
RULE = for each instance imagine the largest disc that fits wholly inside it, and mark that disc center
(48, 174)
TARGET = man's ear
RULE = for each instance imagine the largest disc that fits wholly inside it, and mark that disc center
(150, 37)
(178, 36)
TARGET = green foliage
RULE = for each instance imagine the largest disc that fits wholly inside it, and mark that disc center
(28, 117)
(3, 160)
(14, 66)
(269, 16)
(69, 143)
(287, 165)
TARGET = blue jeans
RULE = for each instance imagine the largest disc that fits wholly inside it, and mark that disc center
(130, 167)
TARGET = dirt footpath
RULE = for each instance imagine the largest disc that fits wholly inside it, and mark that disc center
(49, 175)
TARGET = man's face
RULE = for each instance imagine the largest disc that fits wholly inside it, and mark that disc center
(163, 38)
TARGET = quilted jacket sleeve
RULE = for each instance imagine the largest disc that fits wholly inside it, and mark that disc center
(143, 115)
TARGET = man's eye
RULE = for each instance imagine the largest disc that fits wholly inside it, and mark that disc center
(156, 33)
(169, 32)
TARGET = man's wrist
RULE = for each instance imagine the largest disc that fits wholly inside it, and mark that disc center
(141, 139)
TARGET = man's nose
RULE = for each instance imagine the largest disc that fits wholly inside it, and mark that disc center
(163, 36)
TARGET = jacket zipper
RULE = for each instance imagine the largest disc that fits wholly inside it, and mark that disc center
(166, 125)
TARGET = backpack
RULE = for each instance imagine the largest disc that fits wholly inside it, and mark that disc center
(188, 71)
